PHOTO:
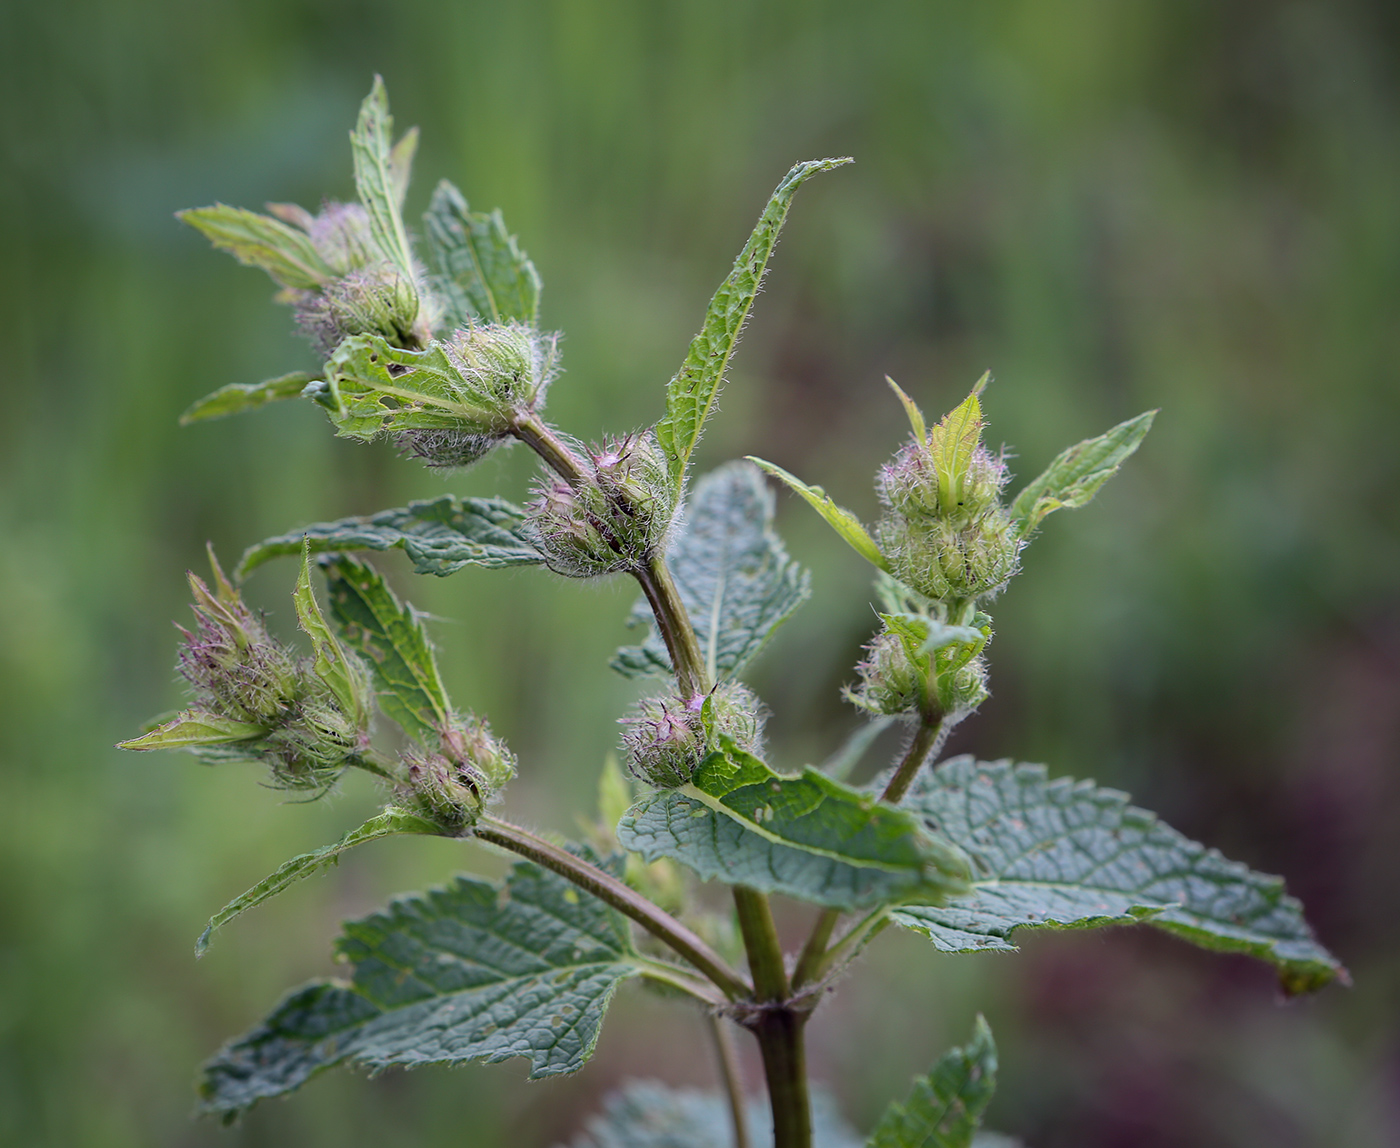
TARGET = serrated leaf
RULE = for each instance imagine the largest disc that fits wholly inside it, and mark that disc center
(1066, 854)
(390, 638)
(375, 181)
(479, 265)
(809, 836)
(372, 388)
(236, 398)
(474, 971)
(387, 823)
(440, 535)
(945, 1108)
(340, 670)
(285, 253)
(732, 572)
(691, 394)
(838, 518)
(645, 1114)
(401, 165)
(193, 729)
(1077, 474)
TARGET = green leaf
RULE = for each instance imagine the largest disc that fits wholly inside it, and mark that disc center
(285, 253)
(838, 518)
(373, 388)
(390, 638)
(645, 1114)
(441, 536)
(192, 729)
(375, 182)
(480, 268)
(474, 971)
(340, 670)
(401, 166)
(236, 398)
(732, 572)
(691, 394)
(809, 836)
(1066, 854)
(953, 443)
(1075, 477)
(945, 1108)
(384, 824)
(911, 409)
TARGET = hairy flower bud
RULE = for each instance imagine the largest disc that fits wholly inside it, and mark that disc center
(889, 681)
(941, 561)
(371, 300)
(667, 738)
(615, 519)
(452, 786)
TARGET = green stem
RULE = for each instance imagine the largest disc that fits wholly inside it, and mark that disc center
(624, 899)
(665, 973)
(530, 429)
(779, 1033)
(729, 1077)
(674, 624)
(765, 952)
(927, 738)
(810, 960)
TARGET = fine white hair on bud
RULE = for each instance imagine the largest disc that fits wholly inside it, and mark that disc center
(666, 738)
(615, 518)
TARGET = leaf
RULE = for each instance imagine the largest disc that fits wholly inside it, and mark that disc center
(480, 267)
(474, 971)
(401, 165)
(838, 518)
(373, 388)
(945, 1108)
(1076, 475)
(1066, 854)
(192, 729)
(645, 1114)
(911, 409)
(732, 572)
(340, 670)
(691, 394)
(809, 836)
(285, 253)
(236, 398)
(390, 638)
(441, 536)
(953, 444)
(384, 824)
(375, 181)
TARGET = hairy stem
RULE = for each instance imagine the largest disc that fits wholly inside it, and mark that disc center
(625, 900)
(928, 738)
(530, 429)
(729, 1076)
(676, 630)
(761, 943)
(665, 973)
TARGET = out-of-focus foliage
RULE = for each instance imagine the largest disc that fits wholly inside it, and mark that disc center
(1112, 206)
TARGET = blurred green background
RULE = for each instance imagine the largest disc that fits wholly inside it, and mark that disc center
(1112, 204)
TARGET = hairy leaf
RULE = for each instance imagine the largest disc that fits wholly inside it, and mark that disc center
(401, 165)
(691, 394)
(375, 180)
(645, 1114)
(733, 574)
(1075, 477)
(339, 669)
(373, 388)
(479, 266)
(809, 836)
(440, 535)
(192, 729)
(236, 398)
(945, 1108)
(285, 253)
(957, 436)
(390, 638)
(384, 824)
(474, 971)
(1066, 854)
(838, 518)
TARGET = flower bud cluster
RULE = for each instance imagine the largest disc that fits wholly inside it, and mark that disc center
(240, 672)
(615, 518)
(502, 369)
(946, 534)
(452, 786)
(667, 738)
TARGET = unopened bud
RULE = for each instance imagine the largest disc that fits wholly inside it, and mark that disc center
(616, 518)
(890, 683)
(371, 300)
(943, 561)
(667, 738)
(449, 793)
